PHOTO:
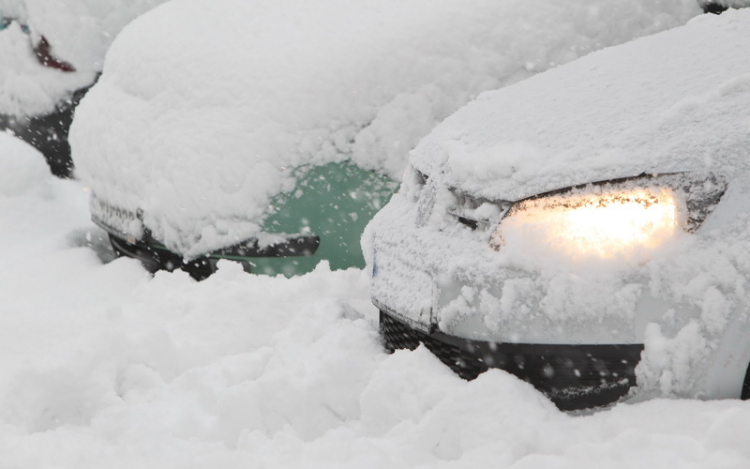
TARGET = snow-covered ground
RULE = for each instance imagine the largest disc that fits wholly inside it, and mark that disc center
(102, 365)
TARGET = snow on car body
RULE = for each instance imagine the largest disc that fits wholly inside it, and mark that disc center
(51, 52)
(204, 117)
(556, 227)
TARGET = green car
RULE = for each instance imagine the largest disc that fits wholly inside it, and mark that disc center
(321, 219)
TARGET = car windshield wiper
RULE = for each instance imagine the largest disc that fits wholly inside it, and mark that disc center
(289, 246)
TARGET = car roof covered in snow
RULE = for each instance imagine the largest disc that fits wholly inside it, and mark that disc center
(201, 112)
(675, 101)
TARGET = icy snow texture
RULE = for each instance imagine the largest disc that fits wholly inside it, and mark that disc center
(79, 31)
(104, 366)
(199, 110)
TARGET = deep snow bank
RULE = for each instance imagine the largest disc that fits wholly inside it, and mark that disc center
(201, 112)
(104, 366)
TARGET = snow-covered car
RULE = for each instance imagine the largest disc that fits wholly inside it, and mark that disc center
(587, 229)
(52, 53)
(211, 125)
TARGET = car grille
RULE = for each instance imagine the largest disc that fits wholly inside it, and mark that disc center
(573, 376)
(399, 335)
(112, 218)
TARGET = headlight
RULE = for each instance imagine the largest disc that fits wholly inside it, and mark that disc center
(610, 219)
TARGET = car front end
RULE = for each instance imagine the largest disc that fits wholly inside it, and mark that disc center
(552, 288)
(585, 229)
(320, 219)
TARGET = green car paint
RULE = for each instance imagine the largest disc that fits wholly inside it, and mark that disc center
(334, 201)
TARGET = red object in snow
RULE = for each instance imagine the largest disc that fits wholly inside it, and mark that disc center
(43, 52)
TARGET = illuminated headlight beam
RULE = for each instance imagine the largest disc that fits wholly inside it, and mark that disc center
(606, 225)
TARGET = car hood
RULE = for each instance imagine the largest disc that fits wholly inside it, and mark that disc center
(675, 101)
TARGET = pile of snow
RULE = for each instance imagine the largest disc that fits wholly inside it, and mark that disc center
(22, 169)
(201, 114)
(102, 365)
(79, 32)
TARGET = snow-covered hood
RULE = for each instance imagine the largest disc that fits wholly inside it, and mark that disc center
(79, 33)
(676, 101)
(201, 111)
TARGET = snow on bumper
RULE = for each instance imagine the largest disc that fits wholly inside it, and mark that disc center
(686, 306)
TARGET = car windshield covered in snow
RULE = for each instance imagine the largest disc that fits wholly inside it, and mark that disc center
(204, 119)
(585, 229)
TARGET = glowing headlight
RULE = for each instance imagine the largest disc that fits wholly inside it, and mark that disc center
(606, 224)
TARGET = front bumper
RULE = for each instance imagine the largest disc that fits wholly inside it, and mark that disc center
(573, 377)
(284, 258)
(291, 255)
(154, 259)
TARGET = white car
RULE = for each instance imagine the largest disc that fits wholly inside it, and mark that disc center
(587, 229)
(270, 132)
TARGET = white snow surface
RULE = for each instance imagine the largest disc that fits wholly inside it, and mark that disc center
(102, 365)
(201, 112)
(668, 102)
(79, 32)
